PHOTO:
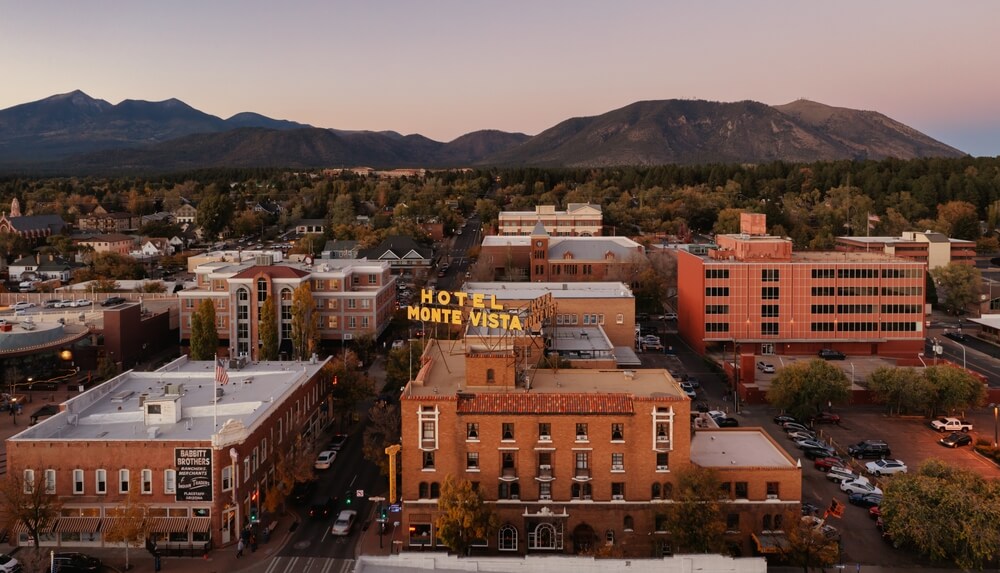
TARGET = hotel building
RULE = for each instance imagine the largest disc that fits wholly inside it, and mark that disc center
(578, 220)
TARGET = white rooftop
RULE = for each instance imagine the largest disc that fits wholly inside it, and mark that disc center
(112, 411)
(504, 240)
(529, 291)
(737, 447)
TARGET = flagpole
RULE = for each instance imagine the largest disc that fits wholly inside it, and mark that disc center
(215, 394)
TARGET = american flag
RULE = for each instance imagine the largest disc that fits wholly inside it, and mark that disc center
(221, 376)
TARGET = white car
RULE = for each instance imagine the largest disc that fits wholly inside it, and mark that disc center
(64, 304)
(8, 564)
(840, 474)
(325, 459)
(886, 467)
(859, 485)
(808, 443)
(802, 435)
(689, 390)
(22, 305)
(83, 302)
(344, 522)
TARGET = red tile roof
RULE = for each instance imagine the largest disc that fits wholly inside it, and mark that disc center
(536, 403)
(275, 272)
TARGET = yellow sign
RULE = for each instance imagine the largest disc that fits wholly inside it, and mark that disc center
(447, 307)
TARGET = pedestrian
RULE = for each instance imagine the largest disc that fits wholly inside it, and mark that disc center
(253, 542)
(239, 548)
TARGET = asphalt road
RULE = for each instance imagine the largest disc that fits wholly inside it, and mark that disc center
(457, 255)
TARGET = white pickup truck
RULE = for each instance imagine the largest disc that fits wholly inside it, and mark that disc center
(951, 425)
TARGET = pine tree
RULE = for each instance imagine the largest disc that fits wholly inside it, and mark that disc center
(204, 337)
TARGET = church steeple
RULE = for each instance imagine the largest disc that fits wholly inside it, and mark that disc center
(15, 208)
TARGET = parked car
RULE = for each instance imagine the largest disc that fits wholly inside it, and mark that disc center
(765, 367)
(113, 300)
(794, 427)
(322, 507)
(8, 564)
(829, 462)
(783, 418)
(816, 453)
(65, 304)
(841, 474)
(83, 302)
(689, 390)
(859, 485)
(826, 418)
(808, 443)
(325, 459)
(955, 440)
(344, 523)
(949, 424)
(869, 449)
(865, 499)
(955, 335)
(72, 562)
(875, 511)
(727, 422)
(886, 467)
(337, 442)
(51, 303)
(22, 305)
(802, 435)
(831, 354)
(302, 491)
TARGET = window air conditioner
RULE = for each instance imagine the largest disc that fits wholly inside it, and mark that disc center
(543, 496)
(581, 437)
(545, 467)
(618, 497)
(772, 496)
(515, 496)
(618, 467)
(661, 467)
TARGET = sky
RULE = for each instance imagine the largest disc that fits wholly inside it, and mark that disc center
(443, 68)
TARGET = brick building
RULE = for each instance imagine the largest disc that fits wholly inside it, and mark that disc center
(101, 221)
(753, 292)
(574, 459)
(202, 467)
(109, 243)
(352, 297)
(578, 220)
(929, 247)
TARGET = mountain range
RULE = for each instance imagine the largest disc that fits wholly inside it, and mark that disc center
(75, 133)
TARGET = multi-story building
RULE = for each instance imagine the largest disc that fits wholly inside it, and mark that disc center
(101, 221)
(185, 213)
(352, 297)
(540, 257)
(929, 247)
(753, 292)
(404, 255)
(572, 459)
(578, 220)
(109, 243)
(200, 456)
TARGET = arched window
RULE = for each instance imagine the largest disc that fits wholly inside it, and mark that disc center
(507, 538)
(668, 490)
(628, 524)
(545, 536)
(422, 490)
(656, 491)
(778, 522)
(767, 523)
(609, 537)
(435, 490)
(243, 294)
(261, 289)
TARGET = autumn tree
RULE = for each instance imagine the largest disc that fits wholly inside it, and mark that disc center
(959, 220)
(383, 430)
(808, 546)
(803, 389)
(401, 362)
(25, 501)
(268, 330)
(152, 287)
(305, 322)
(129, 525)
(959, 283)
(104, 285)
(204, 337)
(463, 516)
(214, 213)
(695, 519)
(294, 465)
(944, 513)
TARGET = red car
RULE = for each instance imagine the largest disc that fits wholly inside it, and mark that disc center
(826, 418)
(824, 464)
(874, 512)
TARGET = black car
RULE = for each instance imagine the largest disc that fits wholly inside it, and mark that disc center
(865, 499)
(956, 439)
(71, 562)
(322, 507)
(727, 422)
(870, 449)
(955, 335)
(817, 453)
(831, 354)
(302, 491)
(782, 418)
(113, 300)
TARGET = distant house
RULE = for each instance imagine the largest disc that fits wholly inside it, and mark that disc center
(186, 213)
(340, 250)
(178, 243)
(109, 243)
(403, 254)
(310, 226)
(152, 247)
(35, 228)
(160, 217)
(117, 222)
(43, 268)
(268, 207)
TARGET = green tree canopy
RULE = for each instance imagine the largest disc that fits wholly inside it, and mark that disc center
(214, 213)
(959, 283)
(803, 388)
(204, 337)
(268, 330)
(463, 516)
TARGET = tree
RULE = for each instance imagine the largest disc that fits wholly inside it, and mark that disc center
(384, 429)
(959, 220)
(463, 516)
(401, 362)
(13, 245)
(204, 337)
(104, 285)
(268, 330)
(152, 287)
(305, 322)
(961, 284)
(130, 525)
(695, 520)
(214, 212)
(106, 368)
(901, 389)
(803, 389)
(807, 545)
(951, 388)
(294, 465)
(944, 513)
(25, 501)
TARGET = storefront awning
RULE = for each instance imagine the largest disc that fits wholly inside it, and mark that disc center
(77, 524)
(20, 527)
(169, 525)
(200, 525)
(770, 543)
(111, 523)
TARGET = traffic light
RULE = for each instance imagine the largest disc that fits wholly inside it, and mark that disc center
(254, 507)
(383, 514)
(348, 498)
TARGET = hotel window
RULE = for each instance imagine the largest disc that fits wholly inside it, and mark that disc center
(716, 273)
(50, 481)
(123, 481)
(227, 478)
(769, 310)
(101, 481)
(507, 431)
(261, 290)
(716, 309)
(769, 275)
(169, 481)
(823, 291)
(472, 431)
(617, 490)
(822, 309)
(617, 432)
(617, 461)
(147, 481)
(472, 460)
(544, 431)
(769, 293)
(581, 431)
(769, 328)
(428, 460)
(822, 327)
(77, 481)
(716, 291)
(823, 273)
(662, 461)
(716, 327)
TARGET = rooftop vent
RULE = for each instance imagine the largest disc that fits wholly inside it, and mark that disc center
(122, 396)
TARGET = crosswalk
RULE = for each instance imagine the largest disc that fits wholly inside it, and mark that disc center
(309, 565)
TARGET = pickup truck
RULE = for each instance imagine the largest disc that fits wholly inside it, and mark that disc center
(951, 425)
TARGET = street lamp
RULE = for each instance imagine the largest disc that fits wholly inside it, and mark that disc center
(996, 411)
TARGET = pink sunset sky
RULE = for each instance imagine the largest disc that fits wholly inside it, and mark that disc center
(445, 68)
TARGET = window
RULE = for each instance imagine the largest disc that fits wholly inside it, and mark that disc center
(472, 460)
(147, 481)
(778, 522)
(716, 291)
(472, 432)
(423, 490)
(769, 328)
(769, 310)
(716, 327)
(628, 524)
(153, 409)
(741, 490)
(29, 481)
(507, 538)
(823, 273)
(427, 431)
(544, 431)
(662, 461)
(724, 489)
(609, 537)
(545, 490)
(509, 490)
(619, 318)
(507, 431)
(617, 432)
(617, 490)
(668, 490)
(428, 460)
(716, 309)
(580, 491)
(227, 478)
(246, 469)
(772, 490)
(662, 435)
(655, 491)
(101, 481)
(822, 327)
(769, 293)
(50, 481)
(77, 481)
(733, 522)
(169, 481)
(716, 273)
(766, 526)
(582, 464)
(435, 490)
(490, 376)
(769, 275)
(618, 462)
(822, 309)
(261, 290)
(660, 522)
(823, 291)
(581, 431)
(123, 481)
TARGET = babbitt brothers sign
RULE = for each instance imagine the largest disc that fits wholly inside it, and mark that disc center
(194, 474)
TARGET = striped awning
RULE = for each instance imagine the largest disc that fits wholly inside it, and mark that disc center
(20, 527)
(169, 525)
(200, 525)
(77, 524)
(111, 523)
